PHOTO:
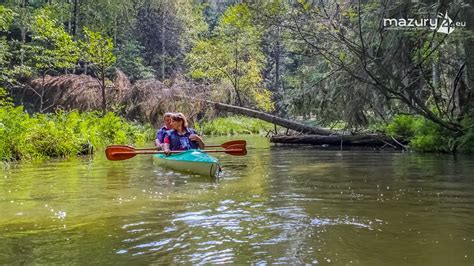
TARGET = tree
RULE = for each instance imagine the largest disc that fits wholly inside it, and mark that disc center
(6, 19)
(233, 57)
(98, 51)
(131, 62)
(168, 29)
(274, 44)
(468, 15)
(58, 50)
(354, 65)
(52, 49)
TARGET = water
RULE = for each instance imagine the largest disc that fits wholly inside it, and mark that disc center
(275, 205)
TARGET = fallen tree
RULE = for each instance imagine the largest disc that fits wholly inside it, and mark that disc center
(313, 135)
(369, 140)
(290, 124)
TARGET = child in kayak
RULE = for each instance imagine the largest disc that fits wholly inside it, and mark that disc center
(180, 137)
(160, 134)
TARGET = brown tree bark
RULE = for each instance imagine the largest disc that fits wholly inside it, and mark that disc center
(341, 140)
(103, 87)
(468, 16)
(163, 45)
(76, 19)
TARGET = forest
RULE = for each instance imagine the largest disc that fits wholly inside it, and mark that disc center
(338, 65)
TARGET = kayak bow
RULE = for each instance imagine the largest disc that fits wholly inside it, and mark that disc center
(191, 161)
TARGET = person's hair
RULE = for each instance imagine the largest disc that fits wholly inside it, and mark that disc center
(180, 117)
(167, 115)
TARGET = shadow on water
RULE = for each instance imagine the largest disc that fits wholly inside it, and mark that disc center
(287, 205)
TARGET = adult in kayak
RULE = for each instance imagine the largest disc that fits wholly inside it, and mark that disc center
(180, 137)
(160, 134)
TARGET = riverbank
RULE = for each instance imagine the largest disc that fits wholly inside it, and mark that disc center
(63, 134)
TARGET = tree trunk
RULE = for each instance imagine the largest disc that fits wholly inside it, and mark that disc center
(163, 43)
(76, 19)
(266, 117)
(104, 101)
(277, 54)
(69, 21)
(341, 140)
(42, 92)
(468, 17)
(24, 4)
(115, 29)
(236, 71)
(435, 74)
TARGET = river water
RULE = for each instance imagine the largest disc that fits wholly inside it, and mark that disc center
(288, 205)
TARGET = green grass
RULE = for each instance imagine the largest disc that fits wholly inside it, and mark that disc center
(233, 125)
(63, 134)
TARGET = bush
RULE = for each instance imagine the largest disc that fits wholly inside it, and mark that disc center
(423, 134)
(402, 126)
(63, 134)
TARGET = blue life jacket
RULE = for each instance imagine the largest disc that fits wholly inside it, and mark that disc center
(181, 142)
(160, 134)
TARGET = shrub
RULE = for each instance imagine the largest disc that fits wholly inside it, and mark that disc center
(423, 134)
(63, 134)
(402, 126)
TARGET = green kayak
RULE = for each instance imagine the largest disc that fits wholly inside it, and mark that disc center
(191, 161)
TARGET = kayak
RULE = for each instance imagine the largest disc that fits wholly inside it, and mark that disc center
(190, 161)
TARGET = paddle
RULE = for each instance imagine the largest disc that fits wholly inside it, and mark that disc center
(124, 152)
(229, 144)
(226, 145)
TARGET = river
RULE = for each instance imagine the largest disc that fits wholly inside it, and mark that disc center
(278, 204)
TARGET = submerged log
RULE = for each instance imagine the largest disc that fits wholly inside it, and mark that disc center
(341, 140)
(290, 124)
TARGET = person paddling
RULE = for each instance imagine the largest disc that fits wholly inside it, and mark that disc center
(160, 134)
(180, 137)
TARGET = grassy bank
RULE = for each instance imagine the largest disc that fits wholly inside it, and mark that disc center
(24, 136)
(233, 125)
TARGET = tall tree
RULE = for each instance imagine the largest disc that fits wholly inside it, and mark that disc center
(52, 47)
(233, 57)
(167, 30)
(468, 16)
(275, 49)
(98, 50)
(6, 19)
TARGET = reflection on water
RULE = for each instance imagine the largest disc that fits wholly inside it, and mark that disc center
(275, 205)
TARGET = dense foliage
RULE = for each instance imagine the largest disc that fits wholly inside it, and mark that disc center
(24, 136)
(324, 61)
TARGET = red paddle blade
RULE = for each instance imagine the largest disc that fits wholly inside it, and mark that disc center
(231, 143)
(236, 150)
(119, 153)
(121, 146)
